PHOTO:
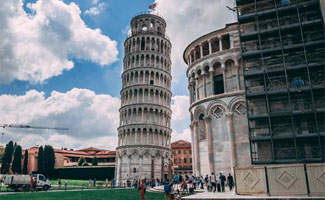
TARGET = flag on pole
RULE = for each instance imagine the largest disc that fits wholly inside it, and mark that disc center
(153, 6)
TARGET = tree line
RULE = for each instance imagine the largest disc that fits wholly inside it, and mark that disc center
(13, 157)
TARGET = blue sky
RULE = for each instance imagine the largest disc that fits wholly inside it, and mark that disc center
(61, 63)
(113, 22)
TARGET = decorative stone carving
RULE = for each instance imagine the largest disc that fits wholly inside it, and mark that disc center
(286, 179)
(217, 112)
(240, 109)
(250, 180)
(321, 177)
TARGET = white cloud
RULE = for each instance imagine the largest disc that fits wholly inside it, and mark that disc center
(180, 107)
(38, 45)
(92, 118)
(188, 20)
(184, 135)
(97, 9)
(180, 118)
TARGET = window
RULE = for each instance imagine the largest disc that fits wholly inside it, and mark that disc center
(218, 84)
(184, 151)
(134, 170)
(142, 44)
(190, 151)
(179, 151)
(175, 161)
(185, 161)
(179, 161)
(225, 42)
(190, 160)
(151, 82)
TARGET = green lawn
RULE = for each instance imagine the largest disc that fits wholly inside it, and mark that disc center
(119, 194)
(77, 182)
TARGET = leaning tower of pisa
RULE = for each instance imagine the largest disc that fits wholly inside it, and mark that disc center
(144, 133)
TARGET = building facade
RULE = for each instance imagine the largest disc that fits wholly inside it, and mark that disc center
(217, 102)
(69, 158)
(283, 52)
(144, 133)
(182, 157)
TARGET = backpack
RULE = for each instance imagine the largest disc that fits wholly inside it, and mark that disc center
(167, 188)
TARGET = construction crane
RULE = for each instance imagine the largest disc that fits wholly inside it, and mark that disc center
(31, 127)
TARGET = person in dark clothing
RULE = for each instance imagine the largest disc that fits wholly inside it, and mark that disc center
(230, 181)
(180, 179)
(222, 179)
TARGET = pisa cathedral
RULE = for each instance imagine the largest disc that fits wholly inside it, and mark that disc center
(144, 132)
(217, 102)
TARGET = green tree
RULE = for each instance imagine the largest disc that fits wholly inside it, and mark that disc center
(40, 160)
(25, 166)
(16, 163)
(95, 161)
(7, 157)
(49, 160)
(81, 161)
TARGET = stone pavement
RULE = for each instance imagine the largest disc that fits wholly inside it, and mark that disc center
(232, 195)
(204, 195)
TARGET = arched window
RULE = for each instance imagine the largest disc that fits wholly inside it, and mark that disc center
(134, 170)
(143, 44)
(201, 116)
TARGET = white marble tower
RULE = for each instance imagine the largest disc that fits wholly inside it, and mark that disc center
(144, 133)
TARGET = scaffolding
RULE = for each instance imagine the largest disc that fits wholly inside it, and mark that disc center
(283, 53)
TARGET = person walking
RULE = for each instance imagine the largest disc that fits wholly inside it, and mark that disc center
(230, 181)
(167, 190)
(213, 182)
(202, 183)
(106, 183)
(59, 183)
(218, 184)
(142, 189)
(222, 182)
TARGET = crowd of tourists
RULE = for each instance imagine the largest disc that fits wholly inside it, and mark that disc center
(179, 185)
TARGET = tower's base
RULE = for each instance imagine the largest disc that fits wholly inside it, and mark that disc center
(142, 162)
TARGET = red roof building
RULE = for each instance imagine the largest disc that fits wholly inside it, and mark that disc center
(182, 157)
(69, 158)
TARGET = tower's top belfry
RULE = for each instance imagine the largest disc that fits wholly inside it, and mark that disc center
(147, 22)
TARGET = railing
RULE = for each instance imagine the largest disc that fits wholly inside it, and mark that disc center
(147, 12)
(130, 34)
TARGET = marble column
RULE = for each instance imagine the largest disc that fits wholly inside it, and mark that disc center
(197, 87)
(201, 51)
(209, 136)
(220, 43)
(129, 157)
(204, 84)
(140, 168)
(197, 148)
(232, 144)
(223, 68)
(210, 47)
(193, 148)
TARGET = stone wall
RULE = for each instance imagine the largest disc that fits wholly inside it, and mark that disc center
(275, 180)
(226, 117)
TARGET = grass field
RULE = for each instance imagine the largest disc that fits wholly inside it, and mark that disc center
(76, 182)
(119, 194)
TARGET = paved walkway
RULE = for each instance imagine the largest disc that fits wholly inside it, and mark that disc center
(232, 195)
(204, 195)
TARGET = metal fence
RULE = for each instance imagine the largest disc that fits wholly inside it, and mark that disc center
(274, 180)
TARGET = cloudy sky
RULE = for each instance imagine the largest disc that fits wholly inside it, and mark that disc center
(61, 62)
